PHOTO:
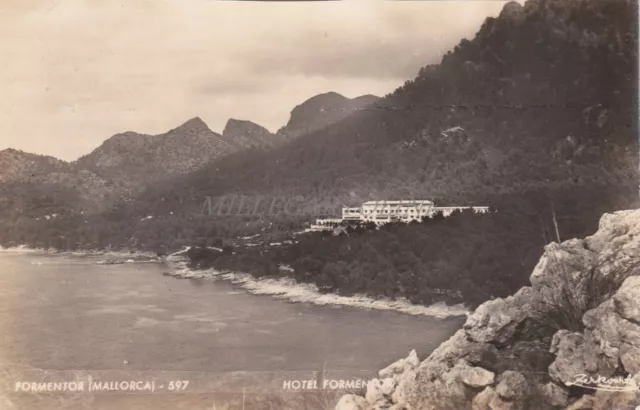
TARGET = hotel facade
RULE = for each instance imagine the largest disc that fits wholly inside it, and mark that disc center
(381, 212)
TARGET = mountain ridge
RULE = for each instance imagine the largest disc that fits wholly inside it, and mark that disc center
(123, 165)
(542, 130)
(136, 159)
(130, 159)
(556, 123)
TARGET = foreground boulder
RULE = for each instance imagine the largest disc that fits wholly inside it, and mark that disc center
(580, 316)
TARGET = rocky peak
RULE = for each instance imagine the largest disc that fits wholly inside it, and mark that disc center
(136, 159)
(513, 11)
(194, 126)
(235, 128)
(329, 102)
(244, 134)
(125, 140)
(366, 99)
(322, 110)
(328, 98)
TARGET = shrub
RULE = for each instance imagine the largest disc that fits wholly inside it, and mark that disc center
(570, 298)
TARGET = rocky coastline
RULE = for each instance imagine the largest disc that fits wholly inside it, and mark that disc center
(571, 340)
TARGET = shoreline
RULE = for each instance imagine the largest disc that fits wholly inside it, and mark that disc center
(91, 252)
(278, 288)
(291, 291)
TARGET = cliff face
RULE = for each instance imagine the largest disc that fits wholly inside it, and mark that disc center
(580, 316)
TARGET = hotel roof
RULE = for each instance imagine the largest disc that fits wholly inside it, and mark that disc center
(399, 202)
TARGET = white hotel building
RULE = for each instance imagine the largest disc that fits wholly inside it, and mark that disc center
(381, 212)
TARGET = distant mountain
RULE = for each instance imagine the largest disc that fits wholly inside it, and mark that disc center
(132, 160)
(127, 162)
(321, 111)
(533, 115)
(21, 166)
(117, 169)
(245, 134)
(22, 173)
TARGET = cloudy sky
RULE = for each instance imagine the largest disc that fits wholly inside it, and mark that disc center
(75, 72)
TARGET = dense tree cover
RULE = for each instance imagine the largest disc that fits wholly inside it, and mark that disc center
(459, 258)
(466, 257)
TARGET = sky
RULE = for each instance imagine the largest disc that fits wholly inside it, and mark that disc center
(75, 72)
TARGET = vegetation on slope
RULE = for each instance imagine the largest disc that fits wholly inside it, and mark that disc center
(534, 116)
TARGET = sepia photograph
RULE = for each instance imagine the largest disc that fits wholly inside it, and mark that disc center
(319, 205)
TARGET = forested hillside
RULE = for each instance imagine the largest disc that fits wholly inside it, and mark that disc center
(537, 112)
(535, 116)
(455, 259)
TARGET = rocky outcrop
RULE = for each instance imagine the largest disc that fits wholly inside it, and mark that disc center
(322, 110)
(580, 316)
(246, 134)
(610, 342)
(513, 11)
